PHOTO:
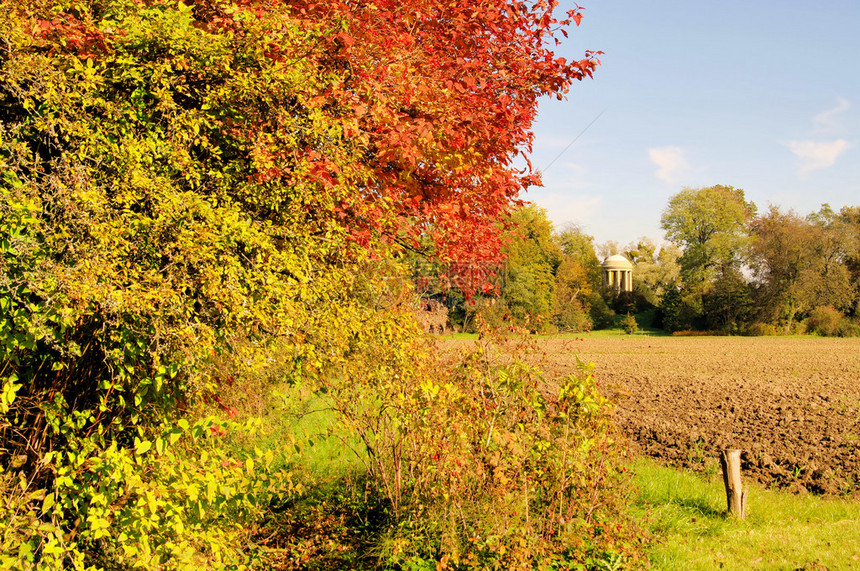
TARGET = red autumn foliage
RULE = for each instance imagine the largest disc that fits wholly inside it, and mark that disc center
(445, 92)
(439, 96)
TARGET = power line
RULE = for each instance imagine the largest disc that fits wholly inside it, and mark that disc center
(564, 150)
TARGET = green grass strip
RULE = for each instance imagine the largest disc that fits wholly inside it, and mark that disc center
(686, 513)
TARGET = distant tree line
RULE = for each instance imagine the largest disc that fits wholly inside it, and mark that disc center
(774, 272)
(726, 268)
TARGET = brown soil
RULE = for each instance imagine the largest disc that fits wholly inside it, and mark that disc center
(791, 405)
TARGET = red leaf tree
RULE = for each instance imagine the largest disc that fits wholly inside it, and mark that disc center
(441, 95)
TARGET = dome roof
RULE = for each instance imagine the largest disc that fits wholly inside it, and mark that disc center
(617, 262)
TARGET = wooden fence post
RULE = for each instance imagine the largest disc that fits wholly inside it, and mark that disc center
(736, 496)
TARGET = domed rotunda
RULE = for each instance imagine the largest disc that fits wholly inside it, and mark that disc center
(618, 273)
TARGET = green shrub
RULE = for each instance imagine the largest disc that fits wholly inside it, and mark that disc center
(800, 327)
(142, 238)
(602, 317)
(647, 318)
(177, 500)
(825, 320)
(573, 317)
(678, 312)
(481, 465)
(848, 328)
(691, 333)
(629, 325)
(759, 329)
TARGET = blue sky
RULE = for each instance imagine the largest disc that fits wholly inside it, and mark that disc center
(759, 95)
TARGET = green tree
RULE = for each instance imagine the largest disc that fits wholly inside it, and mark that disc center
(671, 310)
(578, 279)
(654, 270)
(571, 288)
(578, 246)
(779, 254)
(629, 325)
(827, 281)
(729, 302)
(799, 264)
(533, 258)
(849, 216)
(711, 226)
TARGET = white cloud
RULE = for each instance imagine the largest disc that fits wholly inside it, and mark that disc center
(670, 161)
(815, 155)
(829, 120)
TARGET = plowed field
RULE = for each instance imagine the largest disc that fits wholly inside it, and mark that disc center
(792, 405)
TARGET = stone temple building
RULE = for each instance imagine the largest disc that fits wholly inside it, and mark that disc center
(618, 273)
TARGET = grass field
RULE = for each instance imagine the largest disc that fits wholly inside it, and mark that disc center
(686, 514)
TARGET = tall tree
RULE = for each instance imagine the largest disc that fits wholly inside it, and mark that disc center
(608, 248)
(798, 263)
(849, 216)
(656, 270)
(711, 226)
(828, 280)
(441, 96)
(729, 303)
(532, 260)
(578, 246)
(578, 280)
(779, 254)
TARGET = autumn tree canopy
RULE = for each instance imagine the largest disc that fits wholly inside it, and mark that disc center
(203, 167)
(440, 97)
(777, 268)
(800, 263)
